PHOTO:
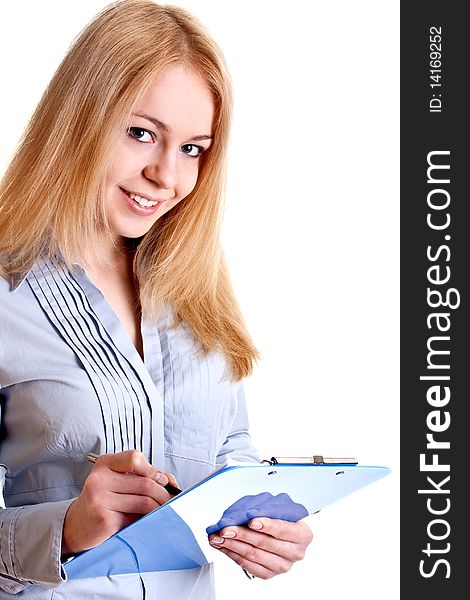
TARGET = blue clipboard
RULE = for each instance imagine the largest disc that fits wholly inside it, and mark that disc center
(174, 536)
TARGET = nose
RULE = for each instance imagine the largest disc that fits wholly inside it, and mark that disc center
(163, 169)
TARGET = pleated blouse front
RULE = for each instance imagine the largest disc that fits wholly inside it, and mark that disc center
(77, 384)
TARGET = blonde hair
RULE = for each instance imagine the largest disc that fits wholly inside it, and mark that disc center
(50, 194)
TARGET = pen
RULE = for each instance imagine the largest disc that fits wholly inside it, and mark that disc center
(171, 489)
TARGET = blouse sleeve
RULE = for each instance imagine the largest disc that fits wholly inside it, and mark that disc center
(30, 545)
(30, 542)
(238, 445)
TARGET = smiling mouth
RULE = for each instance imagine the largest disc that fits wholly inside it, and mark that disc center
(142, 200)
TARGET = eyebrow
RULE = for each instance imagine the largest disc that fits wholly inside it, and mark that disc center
(160, 125)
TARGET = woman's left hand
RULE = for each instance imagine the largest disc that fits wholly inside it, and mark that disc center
(266, 547)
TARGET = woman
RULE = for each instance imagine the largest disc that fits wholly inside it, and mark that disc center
(120, 332)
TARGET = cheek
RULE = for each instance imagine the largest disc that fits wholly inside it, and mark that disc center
(186, 183)
(125, 162)
(188, 179)
(191, 181)
(113, 176)
(110, 180)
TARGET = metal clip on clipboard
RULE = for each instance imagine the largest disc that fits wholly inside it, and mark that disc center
(309, 460)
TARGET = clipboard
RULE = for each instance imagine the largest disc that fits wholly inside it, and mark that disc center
(174, 536)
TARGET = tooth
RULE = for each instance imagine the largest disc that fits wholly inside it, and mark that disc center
(142, 201)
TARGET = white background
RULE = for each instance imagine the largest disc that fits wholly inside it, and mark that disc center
(311, 235)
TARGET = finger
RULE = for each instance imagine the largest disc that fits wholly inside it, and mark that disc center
(254, 568)
(129, 461)
(162, 478)
(102, 481)
(133, 462)
(145, 486)
(158, 476)
(299, 533)
(131, 504)
(273, 562)
(264, 543)
(172, 479)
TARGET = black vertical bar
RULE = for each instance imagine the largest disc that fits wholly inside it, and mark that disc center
(435, 258)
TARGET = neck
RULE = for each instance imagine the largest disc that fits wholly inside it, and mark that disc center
(113, 256)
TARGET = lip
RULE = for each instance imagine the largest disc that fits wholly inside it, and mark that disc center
(136, 208)
(151, 198)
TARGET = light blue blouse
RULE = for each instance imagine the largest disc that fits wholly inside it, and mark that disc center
(77, 385)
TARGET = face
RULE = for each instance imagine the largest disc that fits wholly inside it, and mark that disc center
(157, 160)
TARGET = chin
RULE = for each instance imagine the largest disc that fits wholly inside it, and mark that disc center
(128, 231)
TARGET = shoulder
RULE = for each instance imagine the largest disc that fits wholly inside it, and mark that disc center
(7, 291)
(18, 308)
(10, 291)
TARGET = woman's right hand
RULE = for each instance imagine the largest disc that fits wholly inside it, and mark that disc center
(112, 498)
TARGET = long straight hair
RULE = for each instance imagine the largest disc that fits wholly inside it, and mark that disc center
(51, 197)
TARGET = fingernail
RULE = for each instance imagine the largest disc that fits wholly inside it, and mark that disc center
(230, 533)
(160, 478)
(256, 525)
(217, 540)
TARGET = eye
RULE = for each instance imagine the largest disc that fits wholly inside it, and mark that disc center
(192, 150)
(140, 134)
